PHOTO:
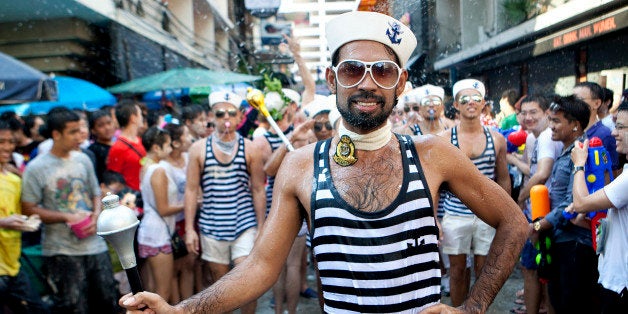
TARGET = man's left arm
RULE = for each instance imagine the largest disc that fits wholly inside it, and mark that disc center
(491, 203)
(258, 180)
(502, 176)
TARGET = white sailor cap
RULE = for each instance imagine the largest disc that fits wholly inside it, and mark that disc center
(363, 25)
(293, 95)
(469, 84)
(222, 96)
(320, 104)
(273, 100)
(430, 90)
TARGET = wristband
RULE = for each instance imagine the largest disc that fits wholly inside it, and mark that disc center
(578, 168)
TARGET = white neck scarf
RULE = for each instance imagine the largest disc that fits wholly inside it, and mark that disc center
(370, 141)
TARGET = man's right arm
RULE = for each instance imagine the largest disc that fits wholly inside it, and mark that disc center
(190, 201)
(260, 270)
(543, 171)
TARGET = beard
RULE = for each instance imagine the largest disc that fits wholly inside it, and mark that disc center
(363, 120)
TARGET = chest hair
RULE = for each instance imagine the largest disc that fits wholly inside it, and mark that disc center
(372, 183)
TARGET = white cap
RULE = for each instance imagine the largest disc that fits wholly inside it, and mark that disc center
(293, 95)
(228, 97)
(362, 25)
(334, 115)
(273, 100)
(430, 90)
(469, 84)
(319, 105)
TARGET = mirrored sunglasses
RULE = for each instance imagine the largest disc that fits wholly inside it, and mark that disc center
(384, 73)
(469, 98)
(431, 101)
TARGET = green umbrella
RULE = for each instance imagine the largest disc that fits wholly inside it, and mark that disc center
(180, 78)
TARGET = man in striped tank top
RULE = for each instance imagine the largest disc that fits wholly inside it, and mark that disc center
(231, 178)
(367, 196)
(463, 232)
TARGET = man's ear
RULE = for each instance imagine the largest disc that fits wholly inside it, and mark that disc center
(401, 86)
(55, 134)
(330, 76)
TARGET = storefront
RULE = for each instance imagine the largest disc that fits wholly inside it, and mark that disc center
(589, 49)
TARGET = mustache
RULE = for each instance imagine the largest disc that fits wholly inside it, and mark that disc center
(364, 96)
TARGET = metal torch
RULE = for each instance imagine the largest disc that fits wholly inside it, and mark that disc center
(117, 224)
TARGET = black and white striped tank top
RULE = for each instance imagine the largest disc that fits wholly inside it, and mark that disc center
(485, 163)
(381, 262)
(227, 208)
(275, 141)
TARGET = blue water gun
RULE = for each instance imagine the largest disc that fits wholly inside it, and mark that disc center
(598, 164)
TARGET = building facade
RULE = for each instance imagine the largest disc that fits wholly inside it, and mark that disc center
(547, 47)
(112, 41)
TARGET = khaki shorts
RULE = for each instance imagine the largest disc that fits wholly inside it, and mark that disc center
(224, 252)
(463, 234)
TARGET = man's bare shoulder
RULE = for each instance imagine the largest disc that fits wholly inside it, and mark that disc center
(436, 151)
(197, 149)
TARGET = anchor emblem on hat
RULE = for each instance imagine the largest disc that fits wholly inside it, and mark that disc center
(393, 32)
(476, 85)
(226, 96)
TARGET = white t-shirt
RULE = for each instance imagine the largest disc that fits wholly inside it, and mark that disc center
(608, 122)
(613, 263)
(540, 148)
(153, 230)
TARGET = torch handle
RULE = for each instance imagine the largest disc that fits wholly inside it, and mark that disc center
(280, 133)
(134, 279)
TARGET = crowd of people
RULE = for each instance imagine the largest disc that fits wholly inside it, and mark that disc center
(395, 194)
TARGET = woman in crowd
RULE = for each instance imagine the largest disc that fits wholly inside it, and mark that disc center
(157, 225)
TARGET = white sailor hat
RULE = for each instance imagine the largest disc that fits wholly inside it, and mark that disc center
(469, 84)
(363, 25)
(228, 97)
(334, 115)
(429, 90)
(293, 95)
(273, 100)
(320, 104)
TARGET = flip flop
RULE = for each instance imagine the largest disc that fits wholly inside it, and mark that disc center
(519, 293)
(519, 310)
(519, 301)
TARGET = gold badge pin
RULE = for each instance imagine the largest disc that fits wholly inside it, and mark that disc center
(345, 152)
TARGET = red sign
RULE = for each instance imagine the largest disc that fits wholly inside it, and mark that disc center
(585, 32)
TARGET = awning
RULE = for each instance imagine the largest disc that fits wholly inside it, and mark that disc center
(220, 15)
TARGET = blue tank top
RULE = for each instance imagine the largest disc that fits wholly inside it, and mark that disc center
(376, 262)
(227, 210)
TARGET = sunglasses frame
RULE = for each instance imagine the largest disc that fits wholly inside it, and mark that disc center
(221, 113)
(367, 67)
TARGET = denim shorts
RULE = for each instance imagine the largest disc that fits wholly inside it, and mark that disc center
(528, 256)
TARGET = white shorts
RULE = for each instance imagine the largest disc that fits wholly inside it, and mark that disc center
(224, 252)
(463, 234)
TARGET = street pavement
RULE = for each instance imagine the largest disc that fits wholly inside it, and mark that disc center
(502, 304)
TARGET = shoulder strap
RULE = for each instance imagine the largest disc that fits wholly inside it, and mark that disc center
(130, 146)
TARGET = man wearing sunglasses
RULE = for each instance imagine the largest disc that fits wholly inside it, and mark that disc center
(367, 196)
(465, 233)
(427, 103)
(231, 178)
